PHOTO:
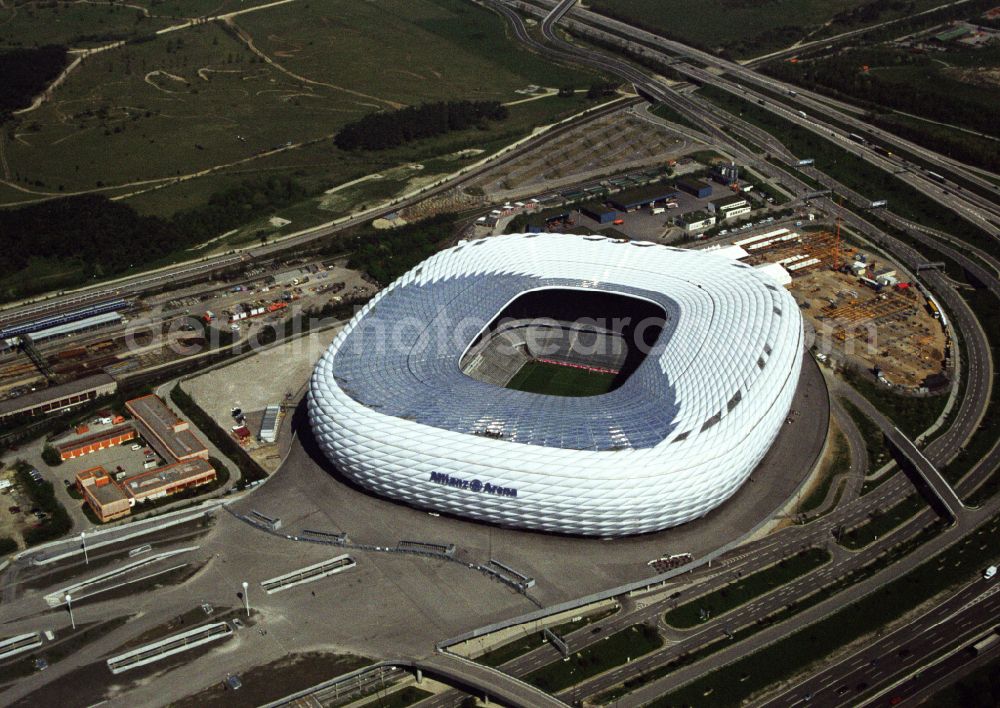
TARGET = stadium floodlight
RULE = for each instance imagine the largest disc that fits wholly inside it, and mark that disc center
(401, 405)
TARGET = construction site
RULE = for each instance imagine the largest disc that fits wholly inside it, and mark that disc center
(865, 312)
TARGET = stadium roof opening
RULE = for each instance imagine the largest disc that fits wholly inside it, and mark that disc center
(563, 341)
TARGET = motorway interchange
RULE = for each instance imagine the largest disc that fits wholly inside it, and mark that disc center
(906, 662)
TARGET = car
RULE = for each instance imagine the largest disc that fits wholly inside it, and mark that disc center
(233, 682)
(135, 448)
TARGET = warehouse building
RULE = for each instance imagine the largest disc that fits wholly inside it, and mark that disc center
(632, 199)
(599, 212)
(59, 398)
(697, 187)
(96, 441)
(170, 436)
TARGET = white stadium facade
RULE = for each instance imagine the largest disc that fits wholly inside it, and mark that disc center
(412, 402)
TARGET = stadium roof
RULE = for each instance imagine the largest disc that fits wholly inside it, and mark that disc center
(400, 356)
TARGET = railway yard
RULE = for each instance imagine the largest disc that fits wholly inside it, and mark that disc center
(166, 327)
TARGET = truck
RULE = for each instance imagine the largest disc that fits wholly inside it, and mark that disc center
(657, 210)
(878, 203)
(807, 161)
(208, 317)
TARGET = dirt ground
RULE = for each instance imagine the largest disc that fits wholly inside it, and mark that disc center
(908, 344)
(268, 378)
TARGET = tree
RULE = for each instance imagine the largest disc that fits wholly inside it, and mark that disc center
(50, 456)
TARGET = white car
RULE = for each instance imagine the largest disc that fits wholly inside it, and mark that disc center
(990, 573)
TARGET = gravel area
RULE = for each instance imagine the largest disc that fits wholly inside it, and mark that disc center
(257, 381)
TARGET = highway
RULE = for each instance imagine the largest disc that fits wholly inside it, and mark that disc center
(981, 210)
(901, 654)
(839, 110)
(972, 407)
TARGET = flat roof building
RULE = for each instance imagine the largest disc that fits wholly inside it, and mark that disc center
(168, 480)
(96, 441)
(599, 212)
(102, 494)
(696, 187)
(168, 434)
(632, 199)
(269, 426)
(58, 398)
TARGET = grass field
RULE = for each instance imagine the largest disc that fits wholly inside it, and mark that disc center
(215, 96)
(614, 650)
(742, 591)
(555, 380)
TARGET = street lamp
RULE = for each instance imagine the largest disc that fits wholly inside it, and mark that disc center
(246, 596)
(83, 540)
(69, 604)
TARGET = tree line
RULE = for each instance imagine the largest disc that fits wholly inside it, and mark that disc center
(936, 96)
(389, 129)
(387, 254)
(24, 73)
(109, 238)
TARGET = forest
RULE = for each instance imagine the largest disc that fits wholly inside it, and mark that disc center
(381, 131)
(24, 73)
(386, 255)
(109, 237)
(907, 82)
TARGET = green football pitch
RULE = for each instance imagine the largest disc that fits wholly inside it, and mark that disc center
(555, 380)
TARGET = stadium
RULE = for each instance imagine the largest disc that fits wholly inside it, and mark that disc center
(572, 384)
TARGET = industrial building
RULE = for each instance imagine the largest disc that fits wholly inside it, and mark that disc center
(74, 327)
(172, 439)
(727, 175)
(59, 398)
(168, 434)
(599, 212)
(678, 436)
(697, 187)
(698, 221)
(632, 199)
(96, 441)
(731, 206)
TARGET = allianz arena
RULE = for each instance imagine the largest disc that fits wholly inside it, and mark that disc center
(571, 384)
